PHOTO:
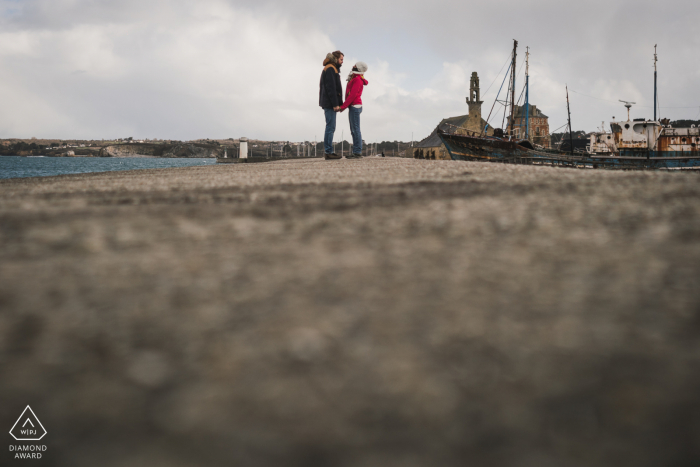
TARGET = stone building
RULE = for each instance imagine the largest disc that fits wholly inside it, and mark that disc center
(472, 123)
(539, 125)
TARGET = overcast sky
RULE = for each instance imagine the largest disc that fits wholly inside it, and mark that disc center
(179, 69)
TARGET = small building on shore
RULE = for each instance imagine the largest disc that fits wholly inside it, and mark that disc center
(432, 147)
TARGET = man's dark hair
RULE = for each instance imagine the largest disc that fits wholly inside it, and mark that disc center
(338, 53)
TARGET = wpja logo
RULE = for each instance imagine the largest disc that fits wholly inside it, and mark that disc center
(28, 428)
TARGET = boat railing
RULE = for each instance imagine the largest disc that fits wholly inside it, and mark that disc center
(669, 131)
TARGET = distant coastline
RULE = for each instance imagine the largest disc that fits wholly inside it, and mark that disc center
(112, 149)
(200, 148)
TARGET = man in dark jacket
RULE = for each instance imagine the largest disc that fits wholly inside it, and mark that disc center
(331, 98)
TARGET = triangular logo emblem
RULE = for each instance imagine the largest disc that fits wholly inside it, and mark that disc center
(28, 427)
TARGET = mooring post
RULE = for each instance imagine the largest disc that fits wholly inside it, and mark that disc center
(243, 152)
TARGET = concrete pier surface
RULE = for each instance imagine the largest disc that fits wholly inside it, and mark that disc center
(373, 312)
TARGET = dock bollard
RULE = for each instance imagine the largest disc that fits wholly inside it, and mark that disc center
(243, 153)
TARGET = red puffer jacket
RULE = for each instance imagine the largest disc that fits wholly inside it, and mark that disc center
(353, 93)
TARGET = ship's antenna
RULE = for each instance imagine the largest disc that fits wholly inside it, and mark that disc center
(629, 106)
(656, 59)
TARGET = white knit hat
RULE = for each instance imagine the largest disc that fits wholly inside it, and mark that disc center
(361, 67)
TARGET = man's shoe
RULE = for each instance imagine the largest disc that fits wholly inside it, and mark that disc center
(354, 156)
(333, 156)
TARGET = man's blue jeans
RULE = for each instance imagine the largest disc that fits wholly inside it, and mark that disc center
(355, 129)
(330, 130)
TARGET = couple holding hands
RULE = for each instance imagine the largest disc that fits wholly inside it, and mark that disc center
(331, 101)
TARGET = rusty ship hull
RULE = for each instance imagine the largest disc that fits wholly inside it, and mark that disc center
(491, 149)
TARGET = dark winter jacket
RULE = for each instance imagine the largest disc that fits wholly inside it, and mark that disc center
(331, 92)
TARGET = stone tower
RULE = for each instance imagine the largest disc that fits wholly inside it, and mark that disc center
(474, 101)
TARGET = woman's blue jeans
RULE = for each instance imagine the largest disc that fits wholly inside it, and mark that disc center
(355, 129)
(330, 130)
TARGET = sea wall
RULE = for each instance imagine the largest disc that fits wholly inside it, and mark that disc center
(128, 150)
(161, 150)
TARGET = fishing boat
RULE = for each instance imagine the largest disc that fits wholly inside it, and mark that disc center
(648, 143)
(631, 144)
(601, 142)
(502, 146)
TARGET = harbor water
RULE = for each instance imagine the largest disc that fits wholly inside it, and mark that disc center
(37, 166)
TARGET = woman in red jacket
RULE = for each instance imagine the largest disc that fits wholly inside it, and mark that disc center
(353, 101)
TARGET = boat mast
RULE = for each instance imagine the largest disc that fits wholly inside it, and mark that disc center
(655, 60)
(527, 93)
(512, 91)
(568, 110)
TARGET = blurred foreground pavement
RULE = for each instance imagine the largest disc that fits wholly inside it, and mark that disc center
(378, 312)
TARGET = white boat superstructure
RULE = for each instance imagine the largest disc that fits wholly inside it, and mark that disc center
(641, 136)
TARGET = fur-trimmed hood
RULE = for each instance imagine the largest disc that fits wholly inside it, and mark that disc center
(331, 60)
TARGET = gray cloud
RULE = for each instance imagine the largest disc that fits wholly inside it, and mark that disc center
(176, 69)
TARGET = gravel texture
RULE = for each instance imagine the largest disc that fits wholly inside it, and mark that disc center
(374, 312)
